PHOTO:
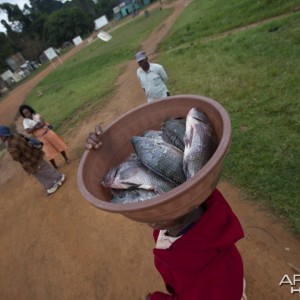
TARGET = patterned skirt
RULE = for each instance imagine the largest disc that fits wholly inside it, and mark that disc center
(53, 143)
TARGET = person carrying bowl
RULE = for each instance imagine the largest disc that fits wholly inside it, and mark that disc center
(195, 254)
(34, 124)
(152, 77)
(31, 160)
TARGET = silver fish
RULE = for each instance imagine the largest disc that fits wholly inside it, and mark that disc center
(154, 134)
(200, 142)
(173, 131)
(133, 196)
(162, 158)
(157, 134)
(133, 174)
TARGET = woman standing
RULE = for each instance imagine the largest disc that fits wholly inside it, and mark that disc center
(31, 160)
(34, 124)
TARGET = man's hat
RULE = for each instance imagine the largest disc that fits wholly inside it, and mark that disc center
(140, 56)
(4, 131)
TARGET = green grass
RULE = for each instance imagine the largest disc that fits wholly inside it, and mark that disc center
(204, 18)
(253, 73)
(87, 79)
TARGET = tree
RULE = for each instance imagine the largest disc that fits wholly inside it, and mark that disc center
(25, 31)
(45, 6)
(31, 47)
(12, 36)
(15, 16)
(65, 24)
(6, 50)
(46, 23)
(88, 6)
(104, 7)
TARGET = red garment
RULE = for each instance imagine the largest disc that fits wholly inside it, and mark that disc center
(204, 264)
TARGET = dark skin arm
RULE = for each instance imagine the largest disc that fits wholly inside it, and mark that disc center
(39, 125)
(93, 141)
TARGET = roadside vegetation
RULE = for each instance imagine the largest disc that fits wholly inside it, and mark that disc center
(253, 71)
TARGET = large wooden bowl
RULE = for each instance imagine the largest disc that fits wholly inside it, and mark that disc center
(117, 146)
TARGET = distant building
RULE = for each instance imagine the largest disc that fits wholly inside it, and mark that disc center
(128, 7)
(15, 61)
(9, 78)
(19, 68)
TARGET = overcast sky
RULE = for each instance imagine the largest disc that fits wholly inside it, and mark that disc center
(3, 15)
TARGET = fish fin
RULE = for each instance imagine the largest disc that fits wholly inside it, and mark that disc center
(159, 190)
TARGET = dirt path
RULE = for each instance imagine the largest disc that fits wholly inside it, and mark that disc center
(60, 247)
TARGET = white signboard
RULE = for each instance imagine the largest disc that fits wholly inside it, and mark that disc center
(50, 53)
(100, 22)
(77, 41)
(116, 10)
(104, 36)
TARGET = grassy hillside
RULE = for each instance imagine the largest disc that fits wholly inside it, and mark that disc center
(204, 18)
(254, 74)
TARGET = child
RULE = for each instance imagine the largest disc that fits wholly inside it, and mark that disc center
(196, 253)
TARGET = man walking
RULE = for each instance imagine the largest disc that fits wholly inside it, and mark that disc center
(152, 77)
(32, 160)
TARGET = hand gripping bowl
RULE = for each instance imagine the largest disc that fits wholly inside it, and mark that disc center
(116, 147)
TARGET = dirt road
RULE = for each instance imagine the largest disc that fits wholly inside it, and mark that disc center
(60, 247)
